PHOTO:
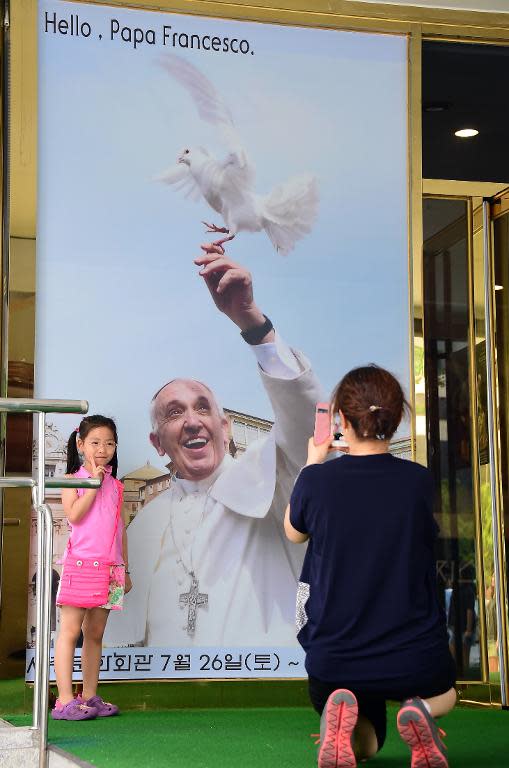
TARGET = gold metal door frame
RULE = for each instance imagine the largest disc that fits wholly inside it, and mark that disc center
(488, 517)
(493, 209)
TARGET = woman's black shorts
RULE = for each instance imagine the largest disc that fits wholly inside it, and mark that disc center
(373, 705)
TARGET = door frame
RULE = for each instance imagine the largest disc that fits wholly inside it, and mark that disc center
(481, 288)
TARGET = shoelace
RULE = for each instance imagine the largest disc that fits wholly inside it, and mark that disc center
(442, 735)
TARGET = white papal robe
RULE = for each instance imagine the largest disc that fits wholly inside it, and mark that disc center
(227, 529)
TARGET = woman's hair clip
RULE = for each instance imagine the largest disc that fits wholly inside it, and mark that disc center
(374, 408)
(77, 429)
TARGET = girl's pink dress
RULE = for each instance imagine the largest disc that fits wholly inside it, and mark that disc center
(92, 537)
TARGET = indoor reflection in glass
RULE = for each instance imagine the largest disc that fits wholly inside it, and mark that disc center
(501, 275)
(446, 323)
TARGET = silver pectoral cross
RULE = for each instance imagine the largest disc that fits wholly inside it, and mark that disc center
(193, 599)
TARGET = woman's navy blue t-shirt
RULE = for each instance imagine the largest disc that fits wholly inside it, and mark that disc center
(373, 616)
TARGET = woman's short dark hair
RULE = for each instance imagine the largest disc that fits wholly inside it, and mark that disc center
(372, 400)
(87, 424)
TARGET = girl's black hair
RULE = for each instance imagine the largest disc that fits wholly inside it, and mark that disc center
(87, 425)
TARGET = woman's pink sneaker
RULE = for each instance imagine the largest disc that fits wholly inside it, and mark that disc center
(103, 708)
(73, 710)
(339, 719)
(419, 730)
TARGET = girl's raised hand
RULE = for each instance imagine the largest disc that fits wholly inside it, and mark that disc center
(96, 471)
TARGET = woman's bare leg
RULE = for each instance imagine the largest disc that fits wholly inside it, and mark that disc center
(441, 705)
(365, 743)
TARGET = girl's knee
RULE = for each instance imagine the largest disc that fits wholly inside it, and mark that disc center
(71, 620)
(69, 633)
(93, 631)
(93, 635)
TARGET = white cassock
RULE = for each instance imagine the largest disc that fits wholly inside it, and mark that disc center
(228, 531)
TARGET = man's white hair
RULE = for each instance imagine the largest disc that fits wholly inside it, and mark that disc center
(153, 407)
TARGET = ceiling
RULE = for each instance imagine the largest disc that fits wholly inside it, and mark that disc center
(465, 86)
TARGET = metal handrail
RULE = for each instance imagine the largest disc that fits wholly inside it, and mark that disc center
(17, 482)
(38, 485)
(57, 481)
(29, 405)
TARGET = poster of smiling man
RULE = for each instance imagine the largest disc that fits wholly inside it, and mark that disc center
(221, 235)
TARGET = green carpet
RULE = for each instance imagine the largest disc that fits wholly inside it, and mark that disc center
(16, 696)
(257, 738)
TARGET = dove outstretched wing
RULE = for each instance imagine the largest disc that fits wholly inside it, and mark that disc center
(181, 177)
(286, 214)
(212, 108)
(209, 103)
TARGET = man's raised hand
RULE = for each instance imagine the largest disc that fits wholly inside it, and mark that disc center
(230, 286)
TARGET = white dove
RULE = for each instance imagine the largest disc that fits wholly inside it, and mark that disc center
(286, 214)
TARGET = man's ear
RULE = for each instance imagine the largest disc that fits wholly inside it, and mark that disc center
(226, 436)
(154, 439)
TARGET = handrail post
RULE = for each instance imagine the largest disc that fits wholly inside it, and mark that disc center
(39, 496)
(43, 588)
(45, 520)
(44, 545)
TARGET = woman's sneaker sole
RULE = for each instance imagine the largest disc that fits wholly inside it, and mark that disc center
(339, 719)
(418, 729)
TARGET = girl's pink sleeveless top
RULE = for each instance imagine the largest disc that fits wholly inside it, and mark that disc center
(92, 537)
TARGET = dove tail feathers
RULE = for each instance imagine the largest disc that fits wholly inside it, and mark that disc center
(290, 211)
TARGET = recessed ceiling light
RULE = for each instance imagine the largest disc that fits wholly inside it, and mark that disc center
(466, 133)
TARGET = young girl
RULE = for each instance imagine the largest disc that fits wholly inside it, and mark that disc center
(94, 575)
(370, 619)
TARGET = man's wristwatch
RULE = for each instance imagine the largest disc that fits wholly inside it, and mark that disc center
(256, 334)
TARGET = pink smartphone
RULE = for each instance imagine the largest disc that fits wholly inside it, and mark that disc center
(322, 423)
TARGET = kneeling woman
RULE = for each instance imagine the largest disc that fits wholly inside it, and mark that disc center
(370, 619)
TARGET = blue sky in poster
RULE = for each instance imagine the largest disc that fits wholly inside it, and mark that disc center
(120, 307)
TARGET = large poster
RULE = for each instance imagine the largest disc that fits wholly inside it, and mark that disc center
(159, 133)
